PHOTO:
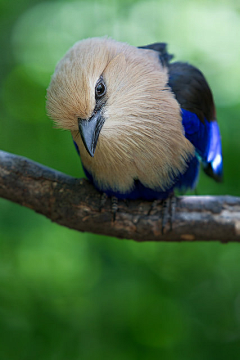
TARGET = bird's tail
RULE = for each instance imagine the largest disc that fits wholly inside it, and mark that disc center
(213, 164)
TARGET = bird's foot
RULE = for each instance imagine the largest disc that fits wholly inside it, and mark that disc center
(114, 200)
(114, 207)
(103, 201)
(168, 211)
(154, 204)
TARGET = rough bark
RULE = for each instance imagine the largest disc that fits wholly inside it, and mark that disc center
(75, 203)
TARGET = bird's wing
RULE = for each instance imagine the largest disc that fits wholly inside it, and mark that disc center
(198, 115)
(198, 111)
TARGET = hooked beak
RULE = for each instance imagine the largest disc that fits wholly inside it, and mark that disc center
(90, 130)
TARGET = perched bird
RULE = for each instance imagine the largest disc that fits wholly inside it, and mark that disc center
(140, 122)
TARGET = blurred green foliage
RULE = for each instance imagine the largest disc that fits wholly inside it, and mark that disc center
(68, 295)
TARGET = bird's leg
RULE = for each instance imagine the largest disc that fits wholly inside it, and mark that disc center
(114, 207)
(103, 201)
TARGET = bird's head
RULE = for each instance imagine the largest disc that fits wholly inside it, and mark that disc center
(101, 86)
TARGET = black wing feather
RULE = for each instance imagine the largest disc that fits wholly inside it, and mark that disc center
(161, 48)
(187, 83)
(192, 90)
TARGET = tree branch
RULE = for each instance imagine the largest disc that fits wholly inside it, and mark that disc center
(75, 203)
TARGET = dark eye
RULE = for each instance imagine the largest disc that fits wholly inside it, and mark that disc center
(100, 89)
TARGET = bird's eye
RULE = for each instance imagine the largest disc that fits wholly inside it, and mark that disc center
(100, 89)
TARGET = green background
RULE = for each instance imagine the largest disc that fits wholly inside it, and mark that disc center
(68, 295)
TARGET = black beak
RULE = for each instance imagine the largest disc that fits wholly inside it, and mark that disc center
(90, 130)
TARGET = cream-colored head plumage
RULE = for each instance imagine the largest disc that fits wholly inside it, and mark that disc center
(142, 137)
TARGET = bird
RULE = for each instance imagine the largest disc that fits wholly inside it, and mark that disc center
(141, 123)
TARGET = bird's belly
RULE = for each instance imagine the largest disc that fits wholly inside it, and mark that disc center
(136, 191)
(130, 174)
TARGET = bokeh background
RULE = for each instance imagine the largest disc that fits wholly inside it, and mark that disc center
(68, 295)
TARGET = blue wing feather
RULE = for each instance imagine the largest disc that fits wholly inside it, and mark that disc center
(207, 141)
(189, 179)
(197, 132)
